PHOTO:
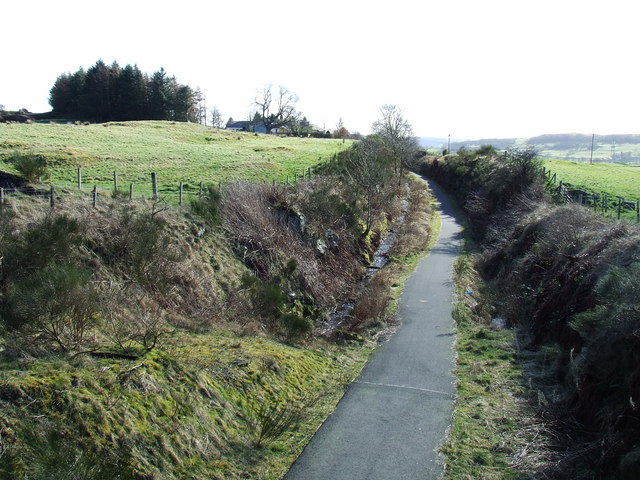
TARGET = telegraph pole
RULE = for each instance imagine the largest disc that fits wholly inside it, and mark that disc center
(593, 136)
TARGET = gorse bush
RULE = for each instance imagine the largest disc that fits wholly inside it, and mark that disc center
(56, 305)
(32, 167)
(267, 298)
(208, 206)
(54, 239)
(47, 295)
(139, 245)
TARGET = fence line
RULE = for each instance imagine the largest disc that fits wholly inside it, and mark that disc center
(55, 193)
(602, 202)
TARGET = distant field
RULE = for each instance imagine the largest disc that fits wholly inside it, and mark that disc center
(177, 152)
(610, 178)
(600, 151)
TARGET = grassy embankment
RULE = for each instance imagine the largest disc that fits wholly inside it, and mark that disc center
(177, 372)
(494, 434)
(558, 401)
(177, 152)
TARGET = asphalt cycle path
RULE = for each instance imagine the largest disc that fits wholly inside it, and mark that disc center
(395, 415)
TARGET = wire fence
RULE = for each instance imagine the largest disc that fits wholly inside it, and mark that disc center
(608, 205)
(176, 194)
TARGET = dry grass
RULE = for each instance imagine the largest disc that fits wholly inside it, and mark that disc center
(270, 229)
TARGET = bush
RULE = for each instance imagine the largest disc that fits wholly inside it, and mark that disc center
(139, 245)
(45, 296)
(32, 167)
(54, 239)
(208, 206)
(270, 420)
(295, 326)
(53, 305)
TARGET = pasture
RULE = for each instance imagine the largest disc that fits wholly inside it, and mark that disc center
(615, 180)
(177, 152)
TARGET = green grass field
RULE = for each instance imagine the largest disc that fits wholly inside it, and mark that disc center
(610, 178)
(177, 152)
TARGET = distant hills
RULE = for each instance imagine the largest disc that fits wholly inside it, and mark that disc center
(623, 148)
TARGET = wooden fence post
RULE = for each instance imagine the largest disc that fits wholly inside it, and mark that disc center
(130, 191)
(181, 190)
(295, 177)
(1, 197)
(154, 185)
(79, 178)
(620, 199)
(95, 196)
(201, 190)
(115, 182)
(52, 197)
(637, 211)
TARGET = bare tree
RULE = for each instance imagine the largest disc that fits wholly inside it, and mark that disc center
(369, 168)
(340, 131)
(275, 110)
(397, 134)
(216, 118)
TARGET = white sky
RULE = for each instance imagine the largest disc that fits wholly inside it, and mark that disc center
(469, 68)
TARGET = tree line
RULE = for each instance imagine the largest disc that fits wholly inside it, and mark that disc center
(109, 92)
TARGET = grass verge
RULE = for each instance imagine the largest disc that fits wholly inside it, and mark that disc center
(494, 434)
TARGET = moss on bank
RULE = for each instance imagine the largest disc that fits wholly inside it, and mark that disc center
(189, 410)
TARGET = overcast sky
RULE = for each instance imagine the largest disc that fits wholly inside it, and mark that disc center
(469, 68)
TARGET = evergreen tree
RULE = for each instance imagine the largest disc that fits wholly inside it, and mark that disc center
(99, 89)
(184, 104)
(106, 93)
(66, 94)
(131, 95)
(159, 96)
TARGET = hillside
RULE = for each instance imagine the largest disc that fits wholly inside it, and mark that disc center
(615, 180)
(623, 148)
(139, 340)
(176, 151)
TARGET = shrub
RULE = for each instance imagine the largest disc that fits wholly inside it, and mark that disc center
(139, 245)
(208, 206)
(53, 305)
(132, 321)
(295, 326)
(54, 239)
(270, 420)
(267, 298)
(32, 167)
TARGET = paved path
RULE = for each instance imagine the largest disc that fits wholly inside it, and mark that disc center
(394, 416)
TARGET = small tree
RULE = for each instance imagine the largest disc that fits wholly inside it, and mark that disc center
(340, 131)
(217, 120)
(369, 167)
(31, 167)
(397, 135)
